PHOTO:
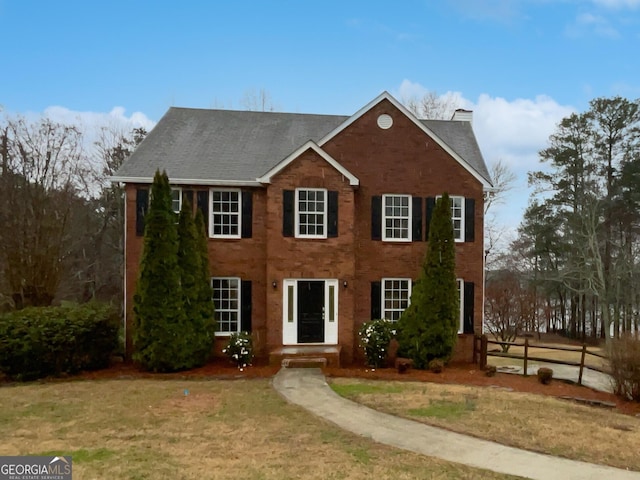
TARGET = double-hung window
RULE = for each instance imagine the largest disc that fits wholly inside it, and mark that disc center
(225, 213)
(176, 199)
(311, 213)
(226, 298)
(396, 218)
(460, 283)
(396, 294)
(457, 217)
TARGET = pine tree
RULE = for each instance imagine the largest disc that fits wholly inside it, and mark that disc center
(428, 328)
(158, 303)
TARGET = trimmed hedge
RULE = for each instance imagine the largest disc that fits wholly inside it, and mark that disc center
(41, 341)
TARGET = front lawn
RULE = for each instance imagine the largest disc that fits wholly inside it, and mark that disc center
(195, 429)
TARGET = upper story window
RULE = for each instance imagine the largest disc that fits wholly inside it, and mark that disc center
(226, 209)
(396, 294)
(311, 213)
(396, 218)
(176, 199)
(457, 217)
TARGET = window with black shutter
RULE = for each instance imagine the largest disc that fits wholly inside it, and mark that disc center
(142, 205)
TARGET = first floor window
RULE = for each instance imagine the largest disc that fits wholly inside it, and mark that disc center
(226, 297)
(396, 219)
(312, 213)
(396, 293)
(460, 283)
(225, 213)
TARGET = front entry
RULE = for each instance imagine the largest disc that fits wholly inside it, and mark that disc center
(310, 311)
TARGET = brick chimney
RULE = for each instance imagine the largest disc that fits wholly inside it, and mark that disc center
(462, 115)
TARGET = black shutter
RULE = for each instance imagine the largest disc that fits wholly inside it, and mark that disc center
(187, 195)
(416, 221)
(376, 219)
(245, 308)
(202, 198)
(332, 214)
(431, 203)
(142, 205)
(469, 219)
(376, 300)
(247, 214)
(288, 212)
(467, 315)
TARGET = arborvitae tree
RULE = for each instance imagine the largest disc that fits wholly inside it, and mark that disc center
(428, 328)
(205, 293)
(159, 340)
(196, 290)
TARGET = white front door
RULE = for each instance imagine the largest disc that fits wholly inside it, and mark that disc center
(310, 312)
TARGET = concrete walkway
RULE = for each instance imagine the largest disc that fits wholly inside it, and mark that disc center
(307, 387)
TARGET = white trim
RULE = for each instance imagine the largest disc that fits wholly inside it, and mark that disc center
(310, 145)
(211, 212)
(290, 329)
(191, 181)
(460, 282)
(382, 295)
(386, 96)
(324, 213)
(239, 310)
(409, 219)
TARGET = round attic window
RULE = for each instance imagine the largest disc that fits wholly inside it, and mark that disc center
(385, 121)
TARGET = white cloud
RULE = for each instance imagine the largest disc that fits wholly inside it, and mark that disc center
(589, 23)
(617, 4)
(513, 131)
(91, 124)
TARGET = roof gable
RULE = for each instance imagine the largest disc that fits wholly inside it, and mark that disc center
(468, 143)
(310, 145)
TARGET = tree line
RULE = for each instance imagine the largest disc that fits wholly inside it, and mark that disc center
(61, 218)
(575, 266)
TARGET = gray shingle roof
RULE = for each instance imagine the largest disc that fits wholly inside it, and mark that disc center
(224, 145)
(240, 146)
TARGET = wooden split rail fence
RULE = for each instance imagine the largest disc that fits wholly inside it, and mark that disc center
(481, 352)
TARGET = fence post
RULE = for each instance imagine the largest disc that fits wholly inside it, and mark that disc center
(584, 351)
(483, 352)
(526, 354)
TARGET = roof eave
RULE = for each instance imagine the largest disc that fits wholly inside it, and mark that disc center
(191, 181)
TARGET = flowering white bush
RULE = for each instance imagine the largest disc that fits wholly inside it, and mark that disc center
(240, 349)
(374, 339)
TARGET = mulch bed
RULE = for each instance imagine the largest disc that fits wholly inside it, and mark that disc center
(455, 373)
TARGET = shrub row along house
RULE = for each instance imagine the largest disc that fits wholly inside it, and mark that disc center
(317, 223)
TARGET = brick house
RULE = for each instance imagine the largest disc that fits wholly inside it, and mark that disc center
(317, 223)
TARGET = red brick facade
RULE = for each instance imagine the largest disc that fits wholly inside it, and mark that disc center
(400, 160)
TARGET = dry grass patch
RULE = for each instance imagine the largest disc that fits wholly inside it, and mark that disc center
(533, 422)
(139, 429)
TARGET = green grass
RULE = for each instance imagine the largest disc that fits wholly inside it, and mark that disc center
(353, 389)
(444, 409)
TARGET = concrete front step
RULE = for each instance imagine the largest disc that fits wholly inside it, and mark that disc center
(307, 355)
(304, 362)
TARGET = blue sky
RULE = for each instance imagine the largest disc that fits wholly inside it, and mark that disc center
(521, 65)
